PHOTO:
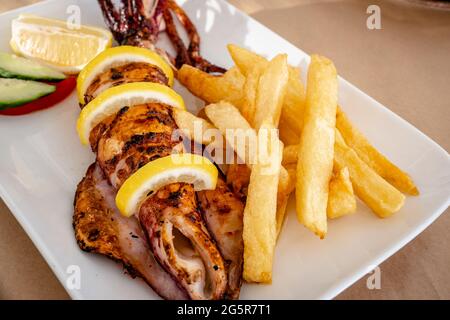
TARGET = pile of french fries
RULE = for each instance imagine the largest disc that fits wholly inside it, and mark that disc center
(318, 152)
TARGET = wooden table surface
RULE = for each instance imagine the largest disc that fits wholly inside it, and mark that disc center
(405, 66)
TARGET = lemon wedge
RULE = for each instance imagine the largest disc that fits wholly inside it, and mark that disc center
(186, 167)
(56, 43)
(113, 99)
(117, 56)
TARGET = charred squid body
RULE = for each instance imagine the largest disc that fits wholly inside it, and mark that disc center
(100, 228)
(132, 138)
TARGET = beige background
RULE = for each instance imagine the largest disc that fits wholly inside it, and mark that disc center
(405, 66)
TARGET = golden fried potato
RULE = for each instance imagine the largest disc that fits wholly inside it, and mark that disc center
(234, 77)
(341, 199)
(366, 177)
(291, 120)
(287, 135)
(376, 192)
(193, 127)
(237, 131)
(294, 103)
(372, 157)
(271, 91)
(261, 210)
(248, 106)
(290, 154)
(286, 185)
(233, 87)
(226, 116)
(246, 60)
(282, 202)
(211, 88)
(315, 162)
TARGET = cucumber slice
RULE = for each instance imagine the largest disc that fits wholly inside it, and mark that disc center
(12, 66)
(15, 92)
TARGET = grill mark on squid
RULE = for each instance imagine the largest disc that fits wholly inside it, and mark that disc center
(122, 74)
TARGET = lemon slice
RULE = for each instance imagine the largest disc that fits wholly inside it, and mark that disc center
(117, 56)
(113, 99)
(57, 44)
(187, 168)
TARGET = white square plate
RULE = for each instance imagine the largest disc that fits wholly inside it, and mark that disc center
(42, 161)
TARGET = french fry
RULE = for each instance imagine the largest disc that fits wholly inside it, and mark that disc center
(291, 120)
(260, 212)
(377, 193)
(372, 157)
(231, 87)
(341, 199)
(315, 163)
(234, 77)
(369, 154)
(268, 104)
(246, 60)
(240, 135)
(287, 175)
(271, 91)
(286, 185)
(248, 106)
(290, 154)
(282, 202)
(193, 127)
(211, 88)
(292, 169)
(287, 135)
(372, 187)
(225, 116)
(294, 103)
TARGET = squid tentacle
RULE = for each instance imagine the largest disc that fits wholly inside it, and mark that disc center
(137, 24)
(112, 18)
(194, 38)
(182, 53)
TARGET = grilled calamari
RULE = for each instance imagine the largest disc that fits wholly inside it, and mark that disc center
(187, 244)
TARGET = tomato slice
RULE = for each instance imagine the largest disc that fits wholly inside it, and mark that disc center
(63, 89)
